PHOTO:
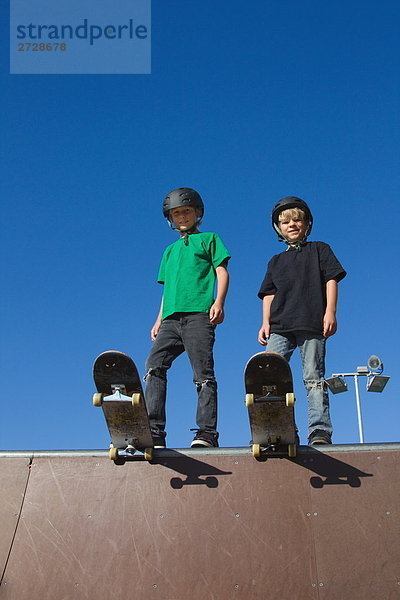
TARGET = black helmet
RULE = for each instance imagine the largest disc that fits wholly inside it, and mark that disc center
(291, 202)
(183, 196)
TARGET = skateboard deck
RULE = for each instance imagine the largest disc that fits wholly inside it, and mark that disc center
(120, 394)
(270, 402)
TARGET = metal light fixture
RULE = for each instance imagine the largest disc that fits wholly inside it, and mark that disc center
(375, 363)
(336, 384)
(362, 370)
(377, 383)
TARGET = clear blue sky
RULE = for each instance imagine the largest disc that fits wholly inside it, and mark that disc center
(246, 103)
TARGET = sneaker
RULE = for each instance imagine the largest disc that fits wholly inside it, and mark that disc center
(319, 436)
(205, 439)
(158, 442)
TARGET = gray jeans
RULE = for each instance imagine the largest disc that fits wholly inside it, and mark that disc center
(193, 333)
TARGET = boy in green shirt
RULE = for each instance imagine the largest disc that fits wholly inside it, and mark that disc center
(188, 315)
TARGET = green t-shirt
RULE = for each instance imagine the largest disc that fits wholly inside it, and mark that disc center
(187, 271)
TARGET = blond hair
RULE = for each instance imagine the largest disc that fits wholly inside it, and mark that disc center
(292, 213)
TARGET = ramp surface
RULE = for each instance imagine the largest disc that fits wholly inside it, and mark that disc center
(14, 475)
(198, 525)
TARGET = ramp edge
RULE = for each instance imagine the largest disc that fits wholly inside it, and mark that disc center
(173, 452)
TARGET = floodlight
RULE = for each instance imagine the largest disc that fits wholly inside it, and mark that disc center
(375, 363)
(376, 383)
(336, 384)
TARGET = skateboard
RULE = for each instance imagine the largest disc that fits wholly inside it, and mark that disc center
(270, 402)
(120, 394)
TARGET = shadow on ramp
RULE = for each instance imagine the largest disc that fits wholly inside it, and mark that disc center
(196, 472)
(331, 471)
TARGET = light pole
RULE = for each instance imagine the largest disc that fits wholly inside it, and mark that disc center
(375, 383)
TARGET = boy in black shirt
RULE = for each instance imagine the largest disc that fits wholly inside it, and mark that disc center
(299, 294)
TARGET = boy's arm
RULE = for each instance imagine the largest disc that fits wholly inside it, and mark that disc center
(329, 322)
(263, 334)
(217, 309)
(156, 327)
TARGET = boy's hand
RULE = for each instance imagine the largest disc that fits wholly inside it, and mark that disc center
(155, 329)
(263, 334)
(216, 314)
(329, 324)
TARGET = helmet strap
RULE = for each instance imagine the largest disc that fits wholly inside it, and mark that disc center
(185, 235)
(297, 245)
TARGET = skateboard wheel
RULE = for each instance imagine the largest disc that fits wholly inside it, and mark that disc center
(249, 400)
(97, 399)
(136, 398)
(148, 453)
(113, 454)
(292, 450)
(256, 450)
(290, 399)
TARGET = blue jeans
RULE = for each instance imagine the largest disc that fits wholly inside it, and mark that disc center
(312, 353)
(193, 333)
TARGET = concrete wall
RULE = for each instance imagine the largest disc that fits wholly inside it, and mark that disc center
(201, 525)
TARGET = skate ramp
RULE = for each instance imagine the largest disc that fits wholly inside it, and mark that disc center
(197, 525)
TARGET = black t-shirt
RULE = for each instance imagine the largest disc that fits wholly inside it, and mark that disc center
(297, 280)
